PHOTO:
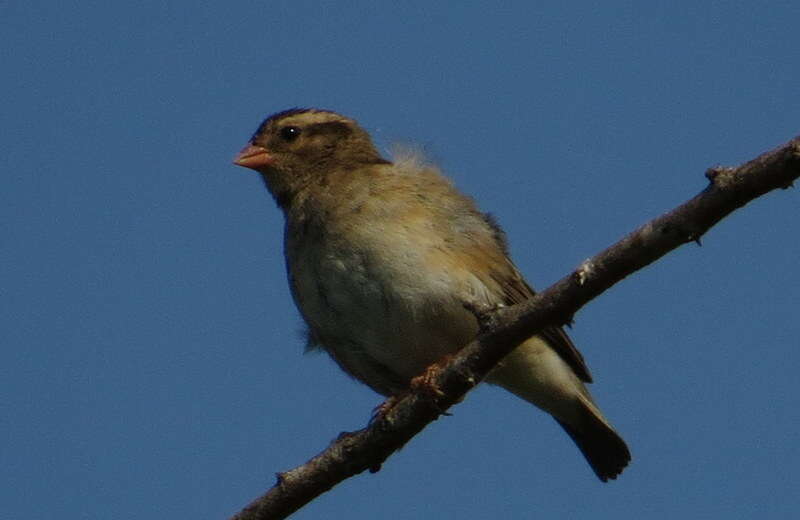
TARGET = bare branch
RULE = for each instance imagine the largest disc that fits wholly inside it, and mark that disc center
(503, 329)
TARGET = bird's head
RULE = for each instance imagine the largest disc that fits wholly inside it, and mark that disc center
(298, 147)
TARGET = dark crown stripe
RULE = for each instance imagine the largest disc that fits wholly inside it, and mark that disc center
(280, 115)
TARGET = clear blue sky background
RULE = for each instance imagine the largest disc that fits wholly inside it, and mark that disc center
(151, 364)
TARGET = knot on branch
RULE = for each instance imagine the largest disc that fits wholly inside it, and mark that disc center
(720, 176)
(584, 271)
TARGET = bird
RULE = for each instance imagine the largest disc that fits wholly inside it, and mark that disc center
(384, 259)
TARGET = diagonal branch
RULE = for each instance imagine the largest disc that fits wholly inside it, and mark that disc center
(366, 449)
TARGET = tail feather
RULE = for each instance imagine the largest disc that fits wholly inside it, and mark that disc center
(537, 373)
(604, 449)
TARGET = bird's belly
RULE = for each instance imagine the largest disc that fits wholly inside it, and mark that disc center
(380, 318)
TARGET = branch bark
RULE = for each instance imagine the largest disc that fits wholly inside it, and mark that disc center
(502, 330)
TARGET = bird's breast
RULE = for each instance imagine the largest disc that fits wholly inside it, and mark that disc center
(386, 290)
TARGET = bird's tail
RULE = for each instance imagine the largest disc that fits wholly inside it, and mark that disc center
(603, 448)
(538, 374)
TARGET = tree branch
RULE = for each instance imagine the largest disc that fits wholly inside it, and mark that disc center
(504, 329)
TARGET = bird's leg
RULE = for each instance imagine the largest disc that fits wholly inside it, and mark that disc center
(425, 383)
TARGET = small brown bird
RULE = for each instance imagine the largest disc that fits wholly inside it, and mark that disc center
(382, 257)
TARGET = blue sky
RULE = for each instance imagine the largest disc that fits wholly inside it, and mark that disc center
(150, 357)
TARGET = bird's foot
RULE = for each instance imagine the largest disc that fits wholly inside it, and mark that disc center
(483, 312)
(379, 412)
(425, 383)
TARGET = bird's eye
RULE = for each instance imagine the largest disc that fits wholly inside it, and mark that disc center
(290, 133)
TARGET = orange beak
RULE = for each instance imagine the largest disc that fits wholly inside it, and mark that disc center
(253, 157)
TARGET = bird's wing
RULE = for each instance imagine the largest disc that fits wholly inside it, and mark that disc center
(516, 290)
